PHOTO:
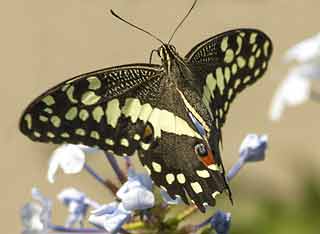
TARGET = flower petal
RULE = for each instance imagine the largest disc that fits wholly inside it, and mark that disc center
(138, 199)
(253, 147)
(293, 91)
(167, 199)
(112, 221)
(305, 51)
(69, 157)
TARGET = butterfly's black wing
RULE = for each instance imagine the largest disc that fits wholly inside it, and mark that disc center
(172, 162)
(227, 63)
(106, 108)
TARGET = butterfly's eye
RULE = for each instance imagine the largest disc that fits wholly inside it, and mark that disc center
(173, 48)
(201, 150)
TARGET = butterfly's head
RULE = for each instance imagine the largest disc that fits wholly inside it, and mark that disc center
(167, 54)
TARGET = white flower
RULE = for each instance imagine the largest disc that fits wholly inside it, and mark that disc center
(293, 91)
(306, 51)
(70, 158)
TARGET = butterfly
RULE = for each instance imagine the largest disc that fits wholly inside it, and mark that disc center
(171, 113)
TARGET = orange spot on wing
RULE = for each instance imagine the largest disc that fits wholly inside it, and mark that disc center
(209, 159)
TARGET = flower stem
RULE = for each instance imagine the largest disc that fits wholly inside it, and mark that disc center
(134, 225)
(235, 169)
(115, 166)
(187, 212)
(63, 229)
(108, 183)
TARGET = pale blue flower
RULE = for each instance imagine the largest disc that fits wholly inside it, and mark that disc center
(36, 216)
(31, 219)
(252, 149)
(136, 193)
(111, 217)
(77, 203)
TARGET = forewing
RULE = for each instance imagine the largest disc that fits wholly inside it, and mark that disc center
(227, 63)
(104, 108)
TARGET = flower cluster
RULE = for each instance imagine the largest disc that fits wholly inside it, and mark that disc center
(296, 88)
(138, 205)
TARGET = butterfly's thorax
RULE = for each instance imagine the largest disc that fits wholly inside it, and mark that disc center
(181, 78)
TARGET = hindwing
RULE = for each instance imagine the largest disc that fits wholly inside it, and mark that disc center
(172, 161)
(227, 63)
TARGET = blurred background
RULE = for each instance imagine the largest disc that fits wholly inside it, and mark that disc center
(46, 42)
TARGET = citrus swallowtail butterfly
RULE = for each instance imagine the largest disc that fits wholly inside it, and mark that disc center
(171, 114)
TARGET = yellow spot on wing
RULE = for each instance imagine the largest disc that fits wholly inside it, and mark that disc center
(266, 48)
(224, 44)
(145, 112)
(48, 110)
(48, 100)
(50, 134)
(56, 121)
(170, 178)
(28, 118)
(227, 74)
(253, 37)
(90, 98)
(72, 113)
(109, 141)
(239, 42)
(131, 109)
(241, 61)
(215, 194)
(196, 187)
(83, 114)
(257, 72)
(246, 79)
(203, 173)
(154, 120)
(80, 132)
(94, 83)
(229, 56)
(234, 69)
(220, 79)
(156, 167)
(65, 135)
(252, 61)
(95, 135)
(258, 53)
(113, 112)
(97, 113)
(70, 91)
(36, 134)
(181, 178)
(211, 83)
(167, 121)
(124, 142)
(43, 118)
(230, 93)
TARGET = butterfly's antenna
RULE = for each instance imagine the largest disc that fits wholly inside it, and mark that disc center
(150, 34)
(186, 16)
